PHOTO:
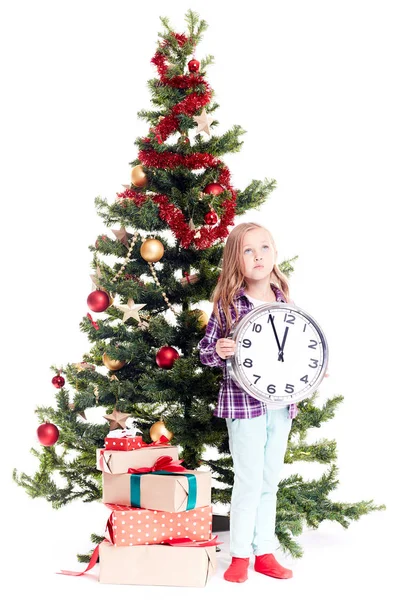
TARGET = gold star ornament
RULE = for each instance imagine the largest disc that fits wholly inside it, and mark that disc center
(95, 277)
(117, 419)
(203, 122)
(123, 236)
(131, 310)
(71, 406)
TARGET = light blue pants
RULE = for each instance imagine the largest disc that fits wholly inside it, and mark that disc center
(258, 447)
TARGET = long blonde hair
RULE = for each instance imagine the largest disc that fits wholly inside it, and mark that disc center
(232, 279)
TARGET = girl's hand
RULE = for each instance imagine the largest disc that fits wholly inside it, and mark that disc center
(225, 347)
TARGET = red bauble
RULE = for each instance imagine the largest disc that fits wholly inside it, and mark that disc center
(193, 65)
(98, 301)
(166, 357)
(58, 381)
(211, 218)
(47, 434)
(213, 188)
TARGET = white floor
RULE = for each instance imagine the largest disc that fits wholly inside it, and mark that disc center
(39, 541)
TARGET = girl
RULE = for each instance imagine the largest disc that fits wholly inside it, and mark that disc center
(257, 435)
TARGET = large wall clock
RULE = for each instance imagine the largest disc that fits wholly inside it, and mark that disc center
(281, 354)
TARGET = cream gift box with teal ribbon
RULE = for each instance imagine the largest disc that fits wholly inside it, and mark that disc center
(160, 490)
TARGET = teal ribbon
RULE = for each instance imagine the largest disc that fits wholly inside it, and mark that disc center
(192, 485)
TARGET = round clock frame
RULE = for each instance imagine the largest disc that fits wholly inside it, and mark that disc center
(275, 361)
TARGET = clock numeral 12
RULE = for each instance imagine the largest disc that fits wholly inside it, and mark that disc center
(289, 319)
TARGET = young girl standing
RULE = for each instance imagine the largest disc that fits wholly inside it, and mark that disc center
(257, 434)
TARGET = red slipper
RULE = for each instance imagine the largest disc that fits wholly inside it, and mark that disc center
(237, 571)
(268, 565)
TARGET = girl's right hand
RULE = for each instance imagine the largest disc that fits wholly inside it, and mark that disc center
(225, 347)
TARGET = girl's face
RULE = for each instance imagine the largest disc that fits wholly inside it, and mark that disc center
(258, 255)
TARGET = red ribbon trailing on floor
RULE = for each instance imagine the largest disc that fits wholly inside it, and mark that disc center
(92, 562)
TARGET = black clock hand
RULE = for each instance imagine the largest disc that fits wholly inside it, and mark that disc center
(283, 344)
(276, 336)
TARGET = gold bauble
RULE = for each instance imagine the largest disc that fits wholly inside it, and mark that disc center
(202, 316)
(138, 176)
(158, 429)
(111, 364)
(152, 250)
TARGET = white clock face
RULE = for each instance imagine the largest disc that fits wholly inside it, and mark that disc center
(281, 354)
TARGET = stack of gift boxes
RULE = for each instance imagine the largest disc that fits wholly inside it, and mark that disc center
(160, 525)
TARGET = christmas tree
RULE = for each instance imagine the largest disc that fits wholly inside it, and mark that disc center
(151, 271)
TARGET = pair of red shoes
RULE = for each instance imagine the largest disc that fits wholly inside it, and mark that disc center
(265, 564)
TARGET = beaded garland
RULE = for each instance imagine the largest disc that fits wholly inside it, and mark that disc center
(134, 239)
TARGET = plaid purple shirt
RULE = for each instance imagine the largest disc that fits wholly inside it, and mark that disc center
(233, 402)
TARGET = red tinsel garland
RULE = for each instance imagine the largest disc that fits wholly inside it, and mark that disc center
(202, 237)
(191, 104)
(205, 236)
(170, 160)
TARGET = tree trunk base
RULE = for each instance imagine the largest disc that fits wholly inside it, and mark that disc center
(220, 523)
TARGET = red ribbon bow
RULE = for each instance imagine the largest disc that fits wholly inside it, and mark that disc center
(94, 323)
(163, 463)
(113, 506)
(186, 541)
(160, 442)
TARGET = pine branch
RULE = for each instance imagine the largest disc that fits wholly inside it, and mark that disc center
(254, 195)
(323, 451)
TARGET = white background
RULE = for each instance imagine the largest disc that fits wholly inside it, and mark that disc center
(315, 85)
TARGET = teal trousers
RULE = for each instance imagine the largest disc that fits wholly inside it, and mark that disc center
(258, 447)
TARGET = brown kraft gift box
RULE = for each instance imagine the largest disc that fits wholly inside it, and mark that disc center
(119, 461)
(157, 565)
(158, 492)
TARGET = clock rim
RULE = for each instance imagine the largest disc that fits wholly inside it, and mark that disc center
(232, 368)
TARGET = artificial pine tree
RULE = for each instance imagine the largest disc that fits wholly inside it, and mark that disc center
(151, 271)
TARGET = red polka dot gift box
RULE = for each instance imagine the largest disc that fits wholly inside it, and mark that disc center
(124, 443)
(129, 526)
